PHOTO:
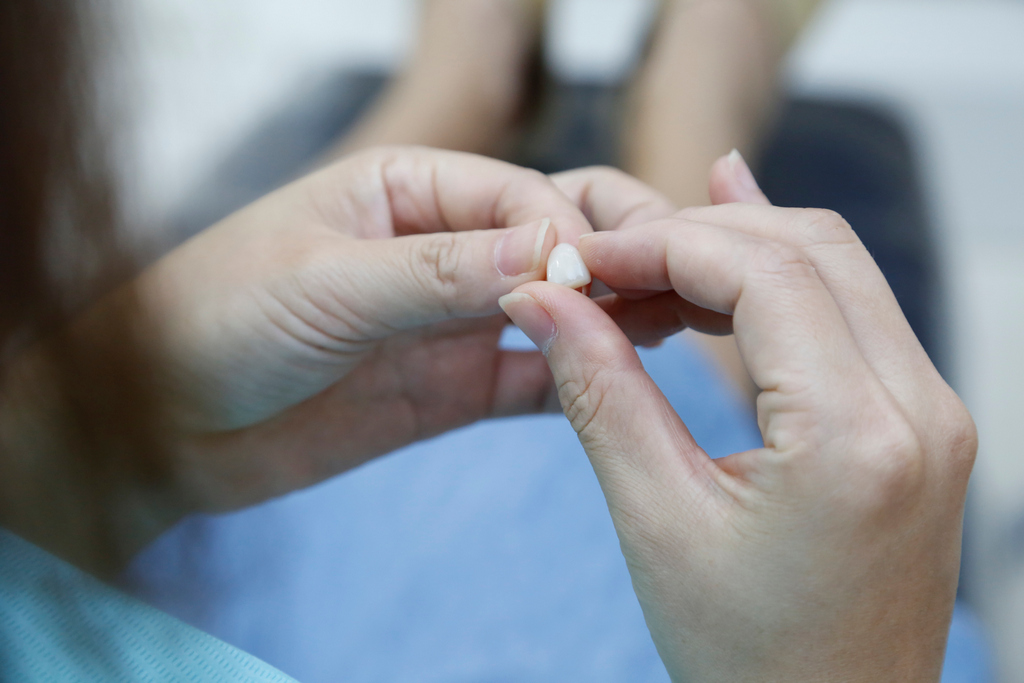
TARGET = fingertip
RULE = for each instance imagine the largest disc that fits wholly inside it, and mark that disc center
(523, 250)
(733, 182)
(590, 243)
(513, 299)
(579, 326)
(720, 185)
(531, 317)
(551, 296)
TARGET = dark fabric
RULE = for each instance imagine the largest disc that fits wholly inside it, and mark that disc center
(848, 157)
(858, 160)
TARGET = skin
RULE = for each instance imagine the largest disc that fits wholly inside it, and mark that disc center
(347, 315)
(830, 554)
(356, 310)
(707, 85)
(340, 318)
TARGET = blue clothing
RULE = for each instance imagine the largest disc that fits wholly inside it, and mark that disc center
(483, 555)
(60, 624)
(487, 554)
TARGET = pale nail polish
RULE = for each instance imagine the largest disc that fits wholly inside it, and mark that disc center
(530, 317)
(521, 249)
(741, 172)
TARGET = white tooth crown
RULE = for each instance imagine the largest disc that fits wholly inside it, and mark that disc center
(566, 267)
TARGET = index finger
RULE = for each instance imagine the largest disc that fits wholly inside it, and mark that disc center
(858, 286)
(792, 335)
(396, 191)
(612, 199)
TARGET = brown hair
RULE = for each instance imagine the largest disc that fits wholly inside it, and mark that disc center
(86, 392)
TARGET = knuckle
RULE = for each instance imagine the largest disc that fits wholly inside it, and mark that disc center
(690, 213)
(958, 442)
(532, 175)
(588, 176)
(784, 260)
(892, 466)
(824, 226)
(526, 182)
(581, 401)
(436, 263)
(582, 396)
(610, 172)
(964, 440)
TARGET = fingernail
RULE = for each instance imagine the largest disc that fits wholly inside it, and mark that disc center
(741, 172)
(566, 267)
(520, 249)
(530, 317)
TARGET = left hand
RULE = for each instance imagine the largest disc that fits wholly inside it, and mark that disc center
(355, 311)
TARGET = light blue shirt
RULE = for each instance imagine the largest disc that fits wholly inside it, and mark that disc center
(487, 554)
(60, 624)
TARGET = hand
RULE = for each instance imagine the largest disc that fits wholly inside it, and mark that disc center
(355, 312)
(830, 554)
(348, 314)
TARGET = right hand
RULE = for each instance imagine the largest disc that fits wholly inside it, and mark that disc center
(830, 554)
(343, 316)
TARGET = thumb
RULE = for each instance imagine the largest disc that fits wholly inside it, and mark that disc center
(406, 282)
(631, 433)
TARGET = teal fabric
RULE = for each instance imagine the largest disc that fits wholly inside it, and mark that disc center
(60, 624)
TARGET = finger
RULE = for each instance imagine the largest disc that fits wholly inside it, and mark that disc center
(611, 199)
(791, 333)
(384, 286)
(855, 282)
(851, 275)
(603, 388)
(523, 383)
(411, 190)
(648, 321)
(732, 182)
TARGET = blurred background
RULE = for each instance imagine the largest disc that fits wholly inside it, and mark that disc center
(937, 85)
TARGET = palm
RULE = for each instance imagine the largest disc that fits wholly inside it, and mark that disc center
(411, 387)
(302, 333)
